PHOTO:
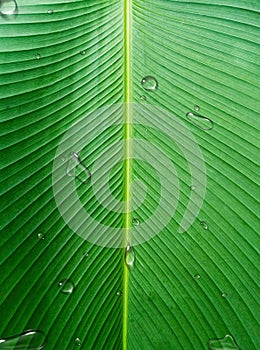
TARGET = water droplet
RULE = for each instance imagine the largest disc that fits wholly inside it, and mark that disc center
(204, 225)
(85, 255)
(77, 341)
(129, 256)
(8, 7)
(226, 343)
(83, 52)
(200, 121)
(224, 295)
(50, 12)
(149, 83)
(197, 276)
(192, 187)
(77, 169)
(196, 108)
(66, 286)
(32, 339)
(37, 56)
(119, 294)
(135, 222)
(143, 98)
(41, 235)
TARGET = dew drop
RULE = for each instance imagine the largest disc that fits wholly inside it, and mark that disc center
(200, 121)
(83, 52)
(32, 339)
(149, 83)
(50, 12)
(224, 295)
(197, 276)
(135, 222)
(8, 7)
(204, 225)
(37, 56)
(143, 98)
(77, 169)
(66, 286)
(226, 343)
(41, 236)
(119, 293)
(192, 187)
(129, 256)
(77, 341)
(196, 108)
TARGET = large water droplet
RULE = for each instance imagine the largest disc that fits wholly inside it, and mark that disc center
(33, 339)
(149, 83)
(204, 225)
(200, 121)
(77, 341)
(77, 169)
(226, 343)
(129, 256)
(66, 286)
(8, 7)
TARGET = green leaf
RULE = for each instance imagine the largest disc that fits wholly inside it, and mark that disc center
(129, 174)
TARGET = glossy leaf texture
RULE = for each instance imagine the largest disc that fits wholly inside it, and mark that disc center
(194, 71)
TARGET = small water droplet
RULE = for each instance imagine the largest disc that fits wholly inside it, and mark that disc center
(77, 169)
(224, 295)
(77, 341)
(41, 235)
(83, 52)
(197, 276)
(8, 7)
(149, 83)
(143, 98)
(66, 286)
(204, 225)
(50, 12)
(32, 339)
(129, 256)
(85, 255)
(192, 187)
(196, 108)
(119, 294)
(37, 56)
(200, 121)
(135, 222)
(226, 343)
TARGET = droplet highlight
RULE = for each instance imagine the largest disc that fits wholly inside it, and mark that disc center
(41, 236)
(226, 343)
(119, 293)
(77, 169)
(204, 225)
(200, 121)
(8, 7)
(66, 286)
(129, 256)
(77, 341)
(149, 83)
(135, 222)
(37, 56)
(32, 339)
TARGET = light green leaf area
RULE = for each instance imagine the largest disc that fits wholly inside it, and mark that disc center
(96, 64)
